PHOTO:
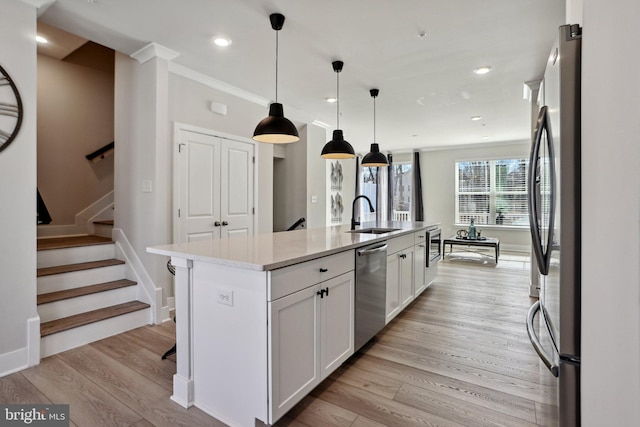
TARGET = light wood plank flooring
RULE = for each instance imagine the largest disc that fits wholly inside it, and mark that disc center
(457, 356)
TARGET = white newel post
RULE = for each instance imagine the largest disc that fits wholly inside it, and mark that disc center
(183, 379)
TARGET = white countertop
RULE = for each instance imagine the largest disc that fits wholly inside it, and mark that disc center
(275, 250)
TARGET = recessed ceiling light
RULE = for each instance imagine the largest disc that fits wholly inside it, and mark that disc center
(331, 99)
(476, 118)
(221, 41)
(422, 35)
(485, 137)
(482, 70)
(41, 39)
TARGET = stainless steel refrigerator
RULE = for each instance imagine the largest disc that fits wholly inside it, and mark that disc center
(554, 216)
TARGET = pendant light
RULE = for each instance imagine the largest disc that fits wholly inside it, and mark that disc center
(276, 128)
(374, 157)
(338, 148)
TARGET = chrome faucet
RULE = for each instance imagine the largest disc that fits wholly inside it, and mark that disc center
(353, 208)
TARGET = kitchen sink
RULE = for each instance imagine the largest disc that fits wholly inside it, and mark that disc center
(374, 230)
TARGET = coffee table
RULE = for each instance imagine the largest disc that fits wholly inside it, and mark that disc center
(492, 242)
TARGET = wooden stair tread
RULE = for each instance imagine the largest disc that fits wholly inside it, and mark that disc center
(104, 222)
(71, 242)
(66, 323)
(58, 269)
(84, 290)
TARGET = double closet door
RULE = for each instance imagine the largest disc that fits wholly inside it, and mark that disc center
(214, 187)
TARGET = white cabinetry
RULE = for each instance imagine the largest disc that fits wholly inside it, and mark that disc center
(420, 262)
(310, 329)
(400, 257)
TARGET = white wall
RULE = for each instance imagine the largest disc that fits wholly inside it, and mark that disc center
(438, 188)
(75, 110)
(317, 180)
(290, 184)
(143, 152)
(610, 214)
(20, 331)
(189, 103)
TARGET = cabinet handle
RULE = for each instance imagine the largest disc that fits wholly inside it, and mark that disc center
(216, 224)
(225, 223)
(403, 256)
(327, 291)
(323, 270)
(421, 246)
(321, 293)
(421, 236)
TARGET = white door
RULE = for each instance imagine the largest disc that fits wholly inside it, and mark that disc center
(214, 187)
(236, 207)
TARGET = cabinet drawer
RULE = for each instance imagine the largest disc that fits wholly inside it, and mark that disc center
(420, 237)
(286, 280)
(399, 243)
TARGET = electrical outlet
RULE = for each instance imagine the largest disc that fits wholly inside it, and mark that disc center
(225, 296)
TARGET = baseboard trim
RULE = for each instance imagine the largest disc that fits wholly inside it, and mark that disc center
(14, 361)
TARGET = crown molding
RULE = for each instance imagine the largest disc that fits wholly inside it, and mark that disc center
(41, 5)
(153, 50)
(196, 76)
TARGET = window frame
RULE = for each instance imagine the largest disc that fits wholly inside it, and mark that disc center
(492, 193)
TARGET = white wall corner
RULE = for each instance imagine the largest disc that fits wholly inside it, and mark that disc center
(153, 50)
(33, 335)
(149, 292)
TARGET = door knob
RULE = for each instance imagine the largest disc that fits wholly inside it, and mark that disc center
(216, 224)
(224, 223)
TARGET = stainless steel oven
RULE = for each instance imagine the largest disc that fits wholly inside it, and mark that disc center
(434, 248)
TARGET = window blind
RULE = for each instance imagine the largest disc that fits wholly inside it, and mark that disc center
(492, 192)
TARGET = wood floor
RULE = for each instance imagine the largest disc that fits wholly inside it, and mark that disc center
(457, 356)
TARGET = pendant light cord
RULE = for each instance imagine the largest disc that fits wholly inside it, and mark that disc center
(338, 99)
(374, 119)
(276, 66)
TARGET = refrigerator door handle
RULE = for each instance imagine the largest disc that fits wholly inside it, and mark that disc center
(535, 341)
(543, 257)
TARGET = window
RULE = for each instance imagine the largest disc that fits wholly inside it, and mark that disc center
(401, 179)
(492, 192)
(373, 184)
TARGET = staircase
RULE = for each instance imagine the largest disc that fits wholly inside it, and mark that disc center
(83, 294)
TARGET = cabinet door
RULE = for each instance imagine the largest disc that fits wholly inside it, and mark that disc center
(406, 277)
(295, 368)
(419, 268)
(336, 322)
(393, 286)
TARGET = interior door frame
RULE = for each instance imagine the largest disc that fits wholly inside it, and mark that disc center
(175, 205)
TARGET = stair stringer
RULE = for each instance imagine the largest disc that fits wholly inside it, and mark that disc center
(100, 209)
(135, 270)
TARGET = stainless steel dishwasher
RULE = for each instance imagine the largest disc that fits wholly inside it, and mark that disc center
(371, 292)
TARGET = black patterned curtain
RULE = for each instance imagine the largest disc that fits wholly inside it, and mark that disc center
(389, 188)
(356, 210)
(418, 208)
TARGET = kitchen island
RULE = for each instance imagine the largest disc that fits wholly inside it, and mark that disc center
(262, 320)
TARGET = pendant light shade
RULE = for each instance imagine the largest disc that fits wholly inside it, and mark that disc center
(276, 128)
(338, 148)
(374, 157)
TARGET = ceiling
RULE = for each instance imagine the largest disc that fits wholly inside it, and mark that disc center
(428, 90)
